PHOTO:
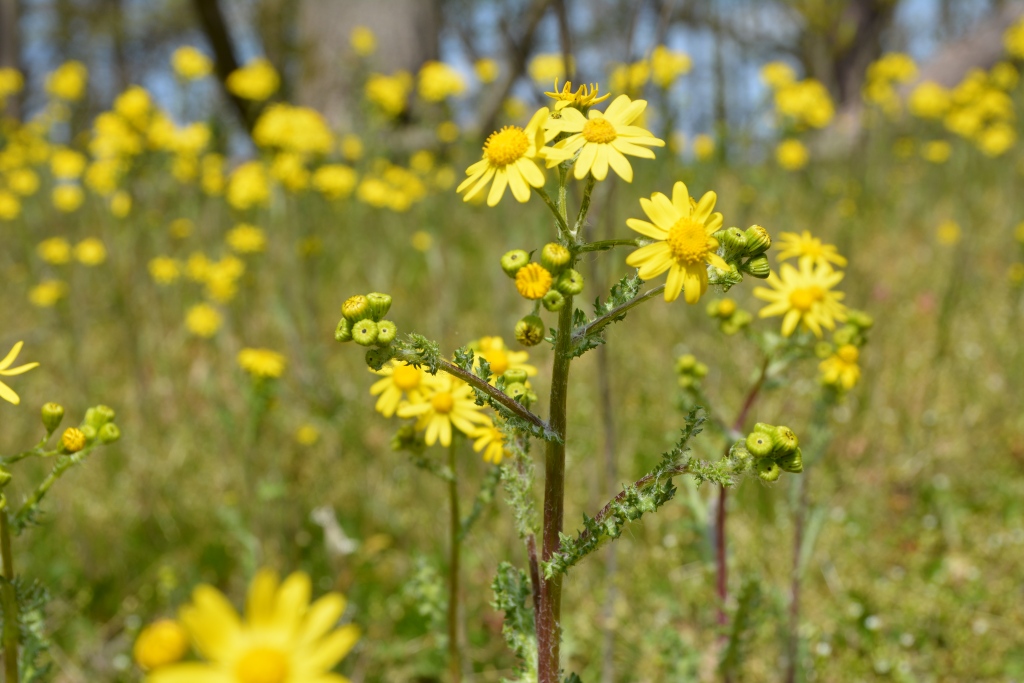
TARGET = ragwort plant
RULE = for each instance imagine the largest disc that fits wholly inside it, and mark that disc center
(682, 236)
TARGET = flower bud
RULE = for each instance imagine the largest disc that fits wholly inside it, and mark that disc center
(97, 416)
(726, 307)
(533, 281)
(570, 282)
(386, 332)
(53, 414)
(90, 433)
(686, 363)
(844, 335)
(514, 375)
(379, 305)
(823, 350)
(766, 428)
(72, 441)
(859, 319)
(700, 370)
(793, 462)
(109, 433)
(516, 389)
(376, 358)
(733, 239)
(343, 332)
(554, 257)
(758, 267)
(512, 261)
(769, 470)
(785, 441)
(553, 300)
(760, 444)
(758, 240)
(355, 308)
(530, 330)
(364, 332)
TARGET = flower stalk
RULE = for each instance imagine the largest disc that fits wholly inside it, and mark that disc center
(455, 549)
(9, 600)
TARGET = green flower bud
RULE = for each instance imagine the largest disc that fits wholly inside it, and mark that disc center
(739, 452)
(760, 444)
(516, 389)
(553, 300)
(758, 240)
(859, 319)
(355, 308)
(5, 477)
(515, 375)
(686, 381)
(554, 257)
(379, 305)
(109, 433)
(570, 283)
(765, 428)
(700, 370)
(758, 267)
(52, 414)
(823, 350)
(90, 432)
(733, 239)
(742, 317)
(364, 332)
(785, 441)
(343, 332)
(97, 416)
(686, 363)
(793, 462)
(530, 331)
(73, 440)
(845, 335)
(769, 470)
(376, 358)
(512, 261)
(386, 332)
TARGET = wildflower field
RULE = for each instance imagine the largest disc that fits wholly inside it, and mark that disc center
(288, 395)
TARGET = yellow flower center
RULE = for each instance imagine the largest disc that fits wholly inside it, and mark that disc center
(506, 146)
(599, 130)
(688, 241)
(262, 665)
(726, 307)
(533, 281)
(498, 360)
(406, 377)
(442, 402)
(848, 353)
(802, 298)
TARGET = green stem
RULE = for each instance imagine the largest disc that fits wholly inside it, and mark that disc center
(605, 245)
(64, 463)
(455, 542)
(563, 225)
(584, 205)
(609, 317)
(10, 602)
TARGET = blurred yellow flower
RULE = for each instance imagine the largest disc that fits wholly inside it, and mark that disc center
(545, 68)
(936, 151)
(203, 320)
(684, 245)
(422, 241)
(11, 82)
(668, 65)
(164, 270)
(47, 293)
(777, 74)
(10, 207)
(255, 81)
(1013, 39)
(703, 147)
(180, 228)
(307, 435)
(491, 440)
(948, 233)
(248, 186)
(447, 132)
(439, 81)
(55, 250)
(486, 69)
(246, 239)
(295, 129)
(400, 381)
(23, 181)
(362, 40)
(791, 155)
(191, 64)
(212, 180)
(422, 161)
(121, 204)
(807, 102)
(68, 198)
(103, 175)
(448, 402)
(68, 81)
(630, 78)
(161, 643)
(283, 638)
(67, 164)
(335, 181)
(500, 358)
(803, 296)
(389, 93)
(261, 362)
(805, 246)
(290, 170)
(841, 370)
(1016, 273)
(351, 147)
(929, 100)
(90, 252)
(997, 139)
(134, 104)
(1004, 76)
(1018, 233)
(509, 160)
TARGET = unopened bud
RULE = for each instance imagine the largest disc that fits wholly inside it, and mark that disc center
(859, 319)
(109, 433)
(376, 358)
(760, 444)
(769, 470)
(686, 363)
(386, 332)
(97, 416)
(90, 433)
(343, 332)
(53, 414)
(733, 239)
(355, 308)
(513, 260)
(553, 300)
(364, 332)
(845, 335)
(379, 305)
(554, 257)
(793, 462)
(514, 375)
(516, 389)
(530, 330)
(73, 440)
(758, 267)
(570, 282)
(758, 240)
(823, 350)
(785, 440)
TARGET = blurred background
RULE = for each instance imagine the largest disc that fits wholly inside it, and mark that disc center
(182, 180)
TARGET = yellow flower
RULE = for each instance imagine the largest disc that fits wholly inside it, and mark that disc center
(203, 320)
(1016, 273)
(583, 98)
(604, 139)
(936, 151)
(68, 198)
(500, 358)
(448, 131)
(995, 140)
(929, 100)
(668, 65)
(6, 393)
(246, 239)
(806, 247)
(191, 64)
(11, 82)
(545, 68)
(161, 643)
(335, 181)
(351, 147)
(389, 93)
(295, 129)
(400, 381)
(212, 179)
(1013, 39)
(630, 78)
(248, 186)
(90, 252)
(685, 246)
(47, 293)
(508, 160)
(256, 81)
(948, 233)
(487, 70)
(533, 281)
(491, 440)
(290, 170)
(703, 147)
(164, 270)
(55, 250)
(791, 154)
(68, 81)
(803, 296)
(120, 204)
(261, 362)
(449, 402)
(135, 105)
(23, 181)
(807, 102)
(282, 639)
(362, 40)
(67, 164)
(777, 74)
(307, 435)
(180, 228)
(841, 370)
(10, 207)
(439, 81)
(422, 241)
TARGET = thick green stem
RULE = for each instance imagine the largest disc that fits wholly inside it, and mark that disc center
(10, 603)
(548, 627)
(454, 547)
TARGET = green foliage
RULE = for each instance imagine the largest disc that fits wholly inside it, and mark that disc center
(425, 591)
(741, 627)
(511, 589)
(585, 338)
(484, 497)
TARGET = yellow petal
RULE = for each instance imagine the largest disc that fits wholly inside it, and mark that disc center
(259, 608)
(516, 182)
(692, 284)
(660, 210)
(189, 672)
(704, 207)
(20, 370)
(11, 355)
(647, 229)
(531, 172)
(619, 164)
(293, 600)
(7, 394)
(498, 188)
(333, 648)
(322, 616)
(600, 167)
(674, 283)
(585, 161)
(681, 198)
(789, 323)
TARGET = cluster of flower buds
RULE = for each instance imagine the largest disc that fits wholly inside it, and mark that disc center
(745, 250)
(731, 318)
(362, 320)
(98, 426)
(550, 282)
(690, 371)
(770, 450)
(518, 388)
(839, 368)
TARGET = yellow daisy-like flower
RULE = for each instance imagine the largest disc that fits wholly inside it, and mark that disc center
(603, 139)
(6, 393)
(582, 98)
(448, 403)
(491, 440)
(246, 239)
(282, 639)
(161, 643)
(841, 370)
(508, 160)
(500, 358)
(400, 380)
(533, 281)
(685, 246)
(203, 320)
(803, 296)
(261, 362)
(806, 247)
